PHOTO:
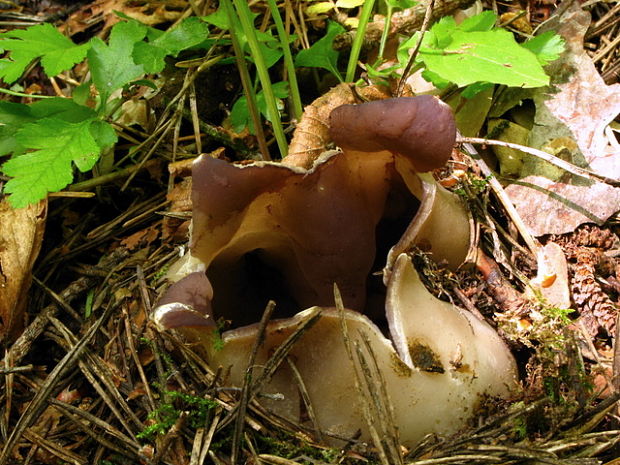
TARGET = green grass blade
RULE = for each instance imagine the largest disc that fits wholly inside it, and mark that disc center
(246, 81)
(245, 17)
(288, 60)
(359, 39)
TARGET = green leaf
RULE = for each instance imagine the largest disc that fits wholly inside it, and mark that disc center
(112, 66)
(349, 3)
(474, 89)
(14, 116)
(55, 143)
(240, 114)
(61, 108)
(58, 53)
(322, 54)
(547, 46)
(437, 80)
(268, 44)
(103, 133)
(219, 19)
(486, 56)
(440, 34)
(151, 57)
(481, 22)
(187, 34)
(401, 4)
(319, 8)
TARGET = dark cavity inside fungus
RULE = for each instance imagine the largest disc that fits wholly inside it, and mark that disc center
(243, 286)
(294, 242)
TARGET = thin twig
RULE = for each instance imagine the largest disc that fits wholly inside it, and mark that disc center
(497, 188)
(573, 169)
(247, 383)
(38, 403)
(414, 54)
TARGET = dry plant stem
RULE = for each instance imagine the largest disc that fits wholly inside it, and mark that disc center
(172, 434)
(376, 386)
(131, 212)
(497, 188)
(364, 398)
(414, 54)
(197, 446)
(65, 306)
(134, 355)
(195, 119)
(206, 444)
(275, 460)
(615, 368)
(24, 343)
(71, 195)
(94, 371)
(38, 403)
(305, 396)
(21, 369)
(576, 170)
(165, 130)
(247, 383)
(53, 448)
(81, 418)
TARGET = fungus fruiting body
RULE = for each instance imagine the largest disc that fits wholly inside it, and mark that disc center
(272, 231)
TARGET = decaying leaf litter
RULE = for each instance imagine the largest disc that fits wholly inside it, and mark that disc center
(91, 349)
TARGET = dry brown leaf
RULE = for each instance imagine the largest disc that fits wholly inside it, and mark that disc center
(583, 106)
(142, 238)
(150, 13)
(577, 113)
(312, 133)
(549, 207)
(21, 234)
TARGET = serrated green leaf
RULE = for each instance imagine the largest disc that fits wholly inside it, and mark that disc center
(489, 56)
(322, 54)
(58, 53)
(151, 57)
(103, 133)
(187, 34)
(112, 66)
(61, 108)
(14, 116)
(56, 144)
(547, 46)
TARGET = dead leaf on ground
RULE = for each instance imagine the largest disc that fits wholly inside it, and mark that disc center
(150, 13)
(549, 207)
(572, 123)
(21, 234)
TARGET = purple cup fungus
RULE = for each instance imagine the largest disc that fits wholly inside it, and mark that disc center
(271, 231)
